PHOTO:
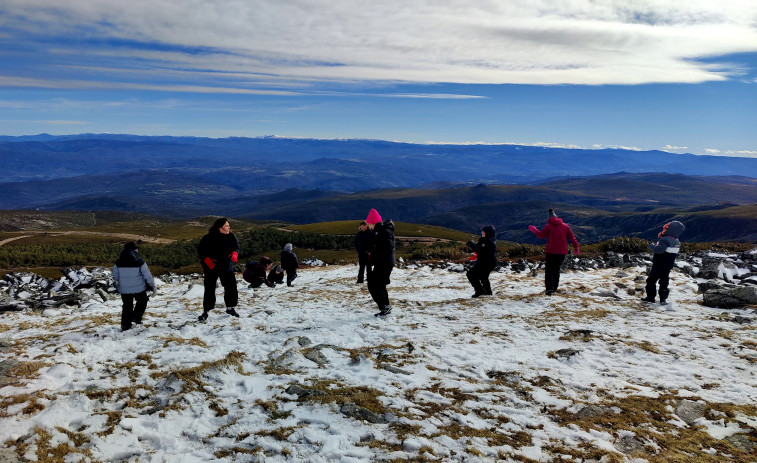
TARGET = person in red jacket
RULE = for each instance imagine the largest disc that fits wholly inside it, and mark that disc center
(557, 234)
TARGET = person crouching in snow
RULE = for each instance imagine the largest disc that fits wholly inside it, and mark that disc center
(289, 263)
(276, 275)
(381, 256)
(557, 233)
(486, 260)
(665, 252)
(255, 273)
(133, 279)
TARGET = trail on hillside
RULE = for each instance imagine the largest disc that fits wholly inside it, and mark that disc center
(125, 236)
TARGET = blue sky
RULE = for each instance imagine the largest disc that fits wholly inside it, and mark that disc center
(652, 74)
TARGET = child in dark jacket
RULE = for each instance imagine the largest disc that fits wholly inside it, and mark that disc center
(381, 255)
(289, 263)
(557, 234)
(276, 275)
(665, 252)
(219, 251)
(486, 261)
(133, 279)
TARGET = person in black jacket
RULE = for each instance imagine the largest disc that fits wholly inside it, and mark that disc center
(289, 263)
(255, 273)
(361, 246)
(381, 255)
(276, 275)
(486, 261)
(219, 251)
(133, 280)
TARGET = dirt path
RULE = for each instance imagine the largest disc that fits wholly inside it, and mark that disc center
(126, 236)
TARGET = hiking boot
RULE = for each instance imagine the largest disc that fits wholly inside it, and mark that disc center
(648, 300)
(203, 317)
(549, 292)
(477, 294)
(232, 312)
(386, 310)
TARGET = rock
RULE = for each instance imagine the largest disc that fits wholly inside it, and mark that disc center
(9, 456)
(564, 353)
(629, 444)
(729, 298)
(591, 411)
(742, 442)
(741, 320)
(690, 411)
(6, 367)
(360, 413)
(304, 341)
(395, 369)
(302, 392)
(315, 355)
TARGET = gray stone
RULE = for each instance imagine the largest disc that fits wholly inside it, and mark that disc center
(302, 392)
(690, 411)
(629, 444)
(304, 341)
(395, 369)
(591, 411)
(742, 442)
(360, 413)
(566, 353)
(315, 355)
(729, 298)
(6, 366)
(741, 320)
(9, 456)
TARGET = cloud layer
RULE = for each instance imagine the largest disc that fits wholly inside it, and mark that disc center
(299, 46)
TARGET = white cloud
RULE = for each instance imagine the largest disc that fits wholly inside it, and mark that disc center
(518, 41)
(674, 148)
(712, 151)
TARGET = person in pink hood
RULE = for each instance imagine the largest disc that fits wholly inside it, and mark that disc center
(557, 234)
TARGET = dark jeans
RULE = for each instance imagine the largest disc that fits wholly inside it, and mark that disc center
(378, 278)
(552, 271)
(291, 275)
(364, 264)
(229, 282)
(661, 274)
(131, 314)
(479, 278)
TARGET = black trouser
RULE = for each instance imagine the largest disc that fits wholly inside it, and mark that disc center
(659, 273)
(378, 278)
(552, 271)
(364, 263)
(229, 282)
(479, 278)
(131, 314)
(291, 275)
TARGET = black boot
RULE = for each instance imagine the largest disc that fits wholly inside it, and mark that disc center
(203, 317)
(386, 310)
(232, 312)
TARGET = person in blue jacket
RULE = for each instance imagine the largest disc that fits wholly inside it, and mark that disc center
(133, 280)
(486, 261)
(665, 250)
(219, 251)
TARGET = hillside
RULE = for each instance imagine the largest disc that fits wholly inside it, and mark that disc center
(309, 374)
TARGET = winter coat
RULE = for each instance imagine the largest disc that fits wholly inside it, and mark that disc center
(255, 275)
(131, 274)
(557, 234)
(486, 250)
(667, 247)
(381, 244)
(218, 247)
(361, 242)
(289, 261)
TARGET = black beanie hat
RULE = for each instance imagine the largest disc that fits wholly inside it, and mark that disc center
(551, 212)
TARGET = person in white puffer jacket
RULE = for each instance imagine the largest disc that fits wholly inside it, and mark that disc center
(133, 280)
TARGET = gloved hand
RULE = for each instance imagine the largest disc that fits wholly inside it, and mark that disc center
(210, 263)
(533, 229)
(576, 252)
(234, 256)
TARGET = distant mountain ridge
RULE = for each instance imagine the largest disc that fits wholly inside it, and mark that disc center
(603, 193)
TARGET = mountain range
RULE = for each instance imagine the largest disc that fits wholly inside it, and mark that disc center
(602, 193)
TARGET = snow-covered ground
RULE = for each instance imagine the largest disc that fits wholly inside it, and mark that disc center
(507, 377)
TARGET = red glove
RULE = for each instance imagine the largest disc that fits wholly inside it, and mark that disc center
(533, 229)
(210, 263)
(576, 252)
(473, 257)
(234, 256)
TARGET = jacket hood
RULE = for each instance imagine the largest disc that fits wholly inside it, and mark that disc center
(129, 257)
(675, 229)
(387, 224)
(554, 220)
(489, 232)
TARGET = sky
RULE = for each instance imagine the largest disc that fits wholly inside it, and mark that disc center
(641, 74)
